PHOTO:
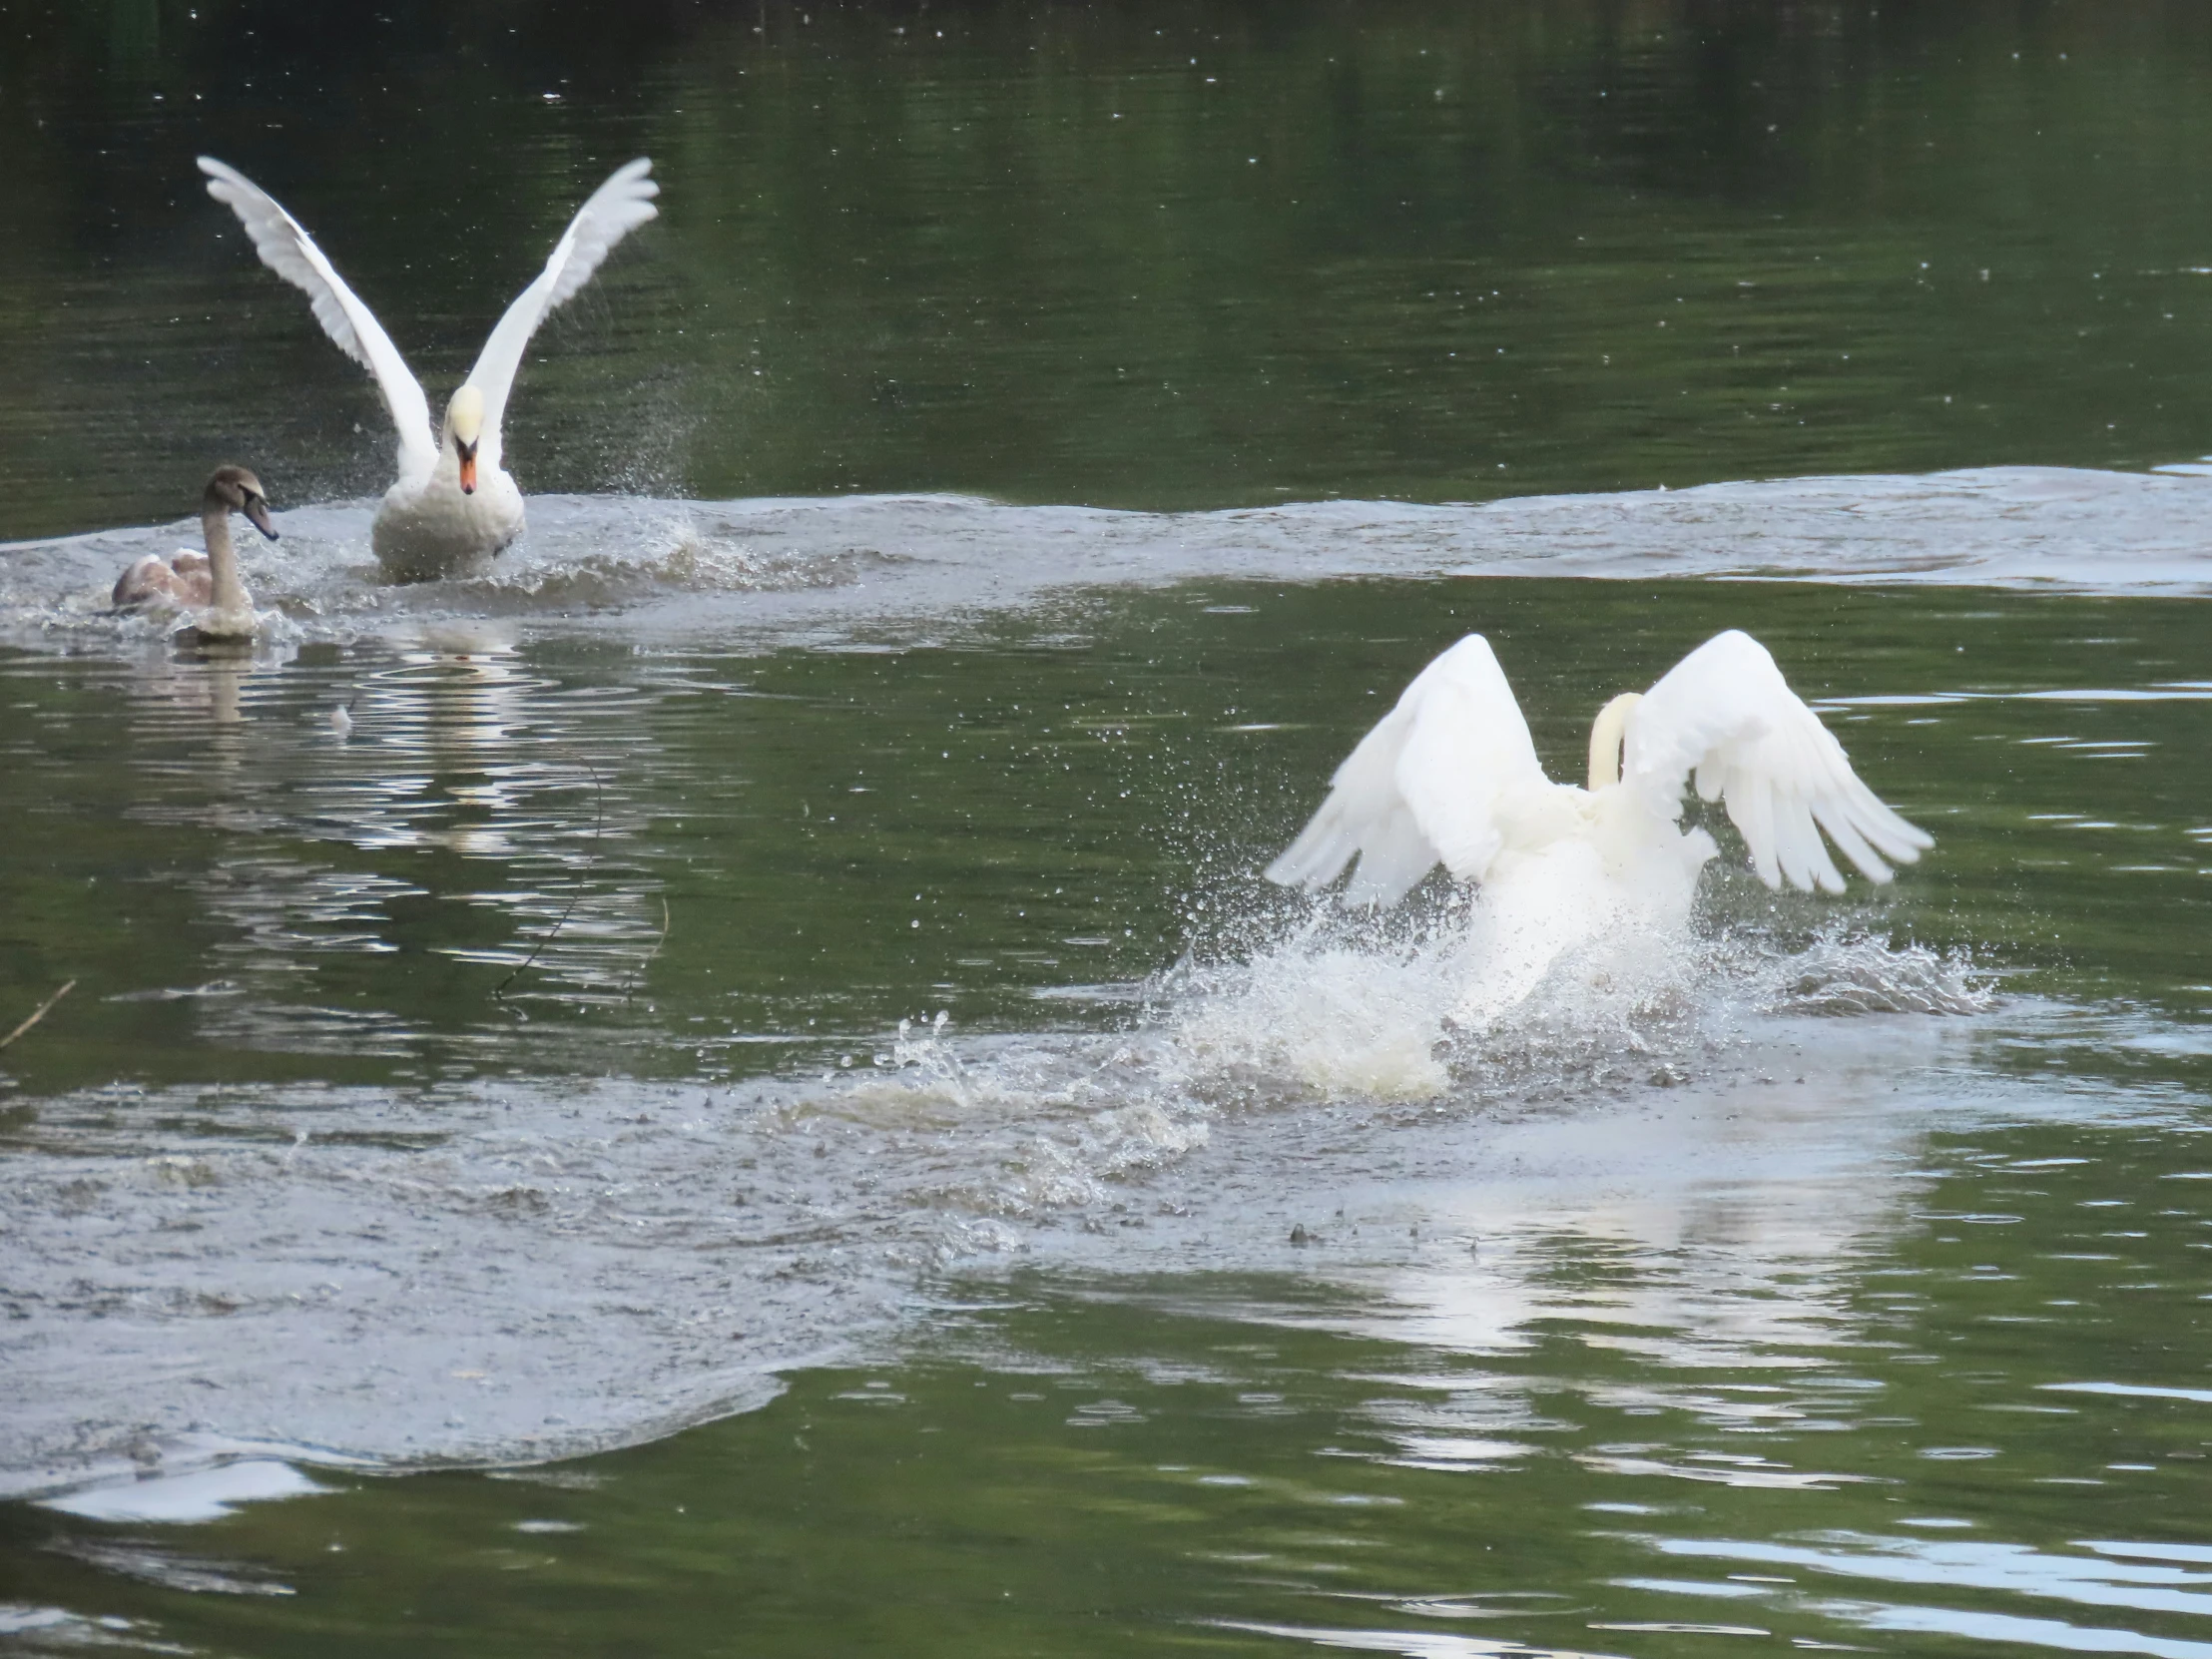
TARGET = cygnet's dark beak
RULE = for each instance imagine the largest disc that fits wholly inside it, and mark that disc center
(467, 452)
(258, 510)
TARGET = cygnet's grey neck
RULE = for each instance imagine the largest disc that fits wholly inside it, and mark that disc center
(227, 591)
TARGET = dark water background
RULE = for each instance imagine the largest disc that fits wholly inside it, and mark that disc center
(480, 1197)
(1187, 256)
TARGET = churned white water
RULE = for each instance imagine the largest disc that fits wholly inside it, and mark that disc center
(525, 1268)
(808, 566)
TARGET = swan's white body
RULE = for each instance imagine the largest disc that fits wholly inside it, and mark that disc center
(1449, 776)
(453, 506)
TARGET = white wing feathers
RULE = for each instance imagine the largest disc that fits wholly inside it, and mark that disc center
(289, 251)
(1725, 718)
(1450, 774)
(616, 208)
(1424, 785)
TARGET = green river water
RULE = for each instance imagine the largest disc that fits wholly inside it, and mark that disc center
(749, 1098)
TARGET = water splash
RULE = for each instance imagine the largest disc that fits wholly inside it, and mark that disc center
(1346, 1007)
(675, 567)
(554, 1266)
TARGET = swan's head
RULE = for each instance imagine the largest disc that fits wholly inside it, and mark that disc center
(1607, 734)
(464, 423)
(234, 489)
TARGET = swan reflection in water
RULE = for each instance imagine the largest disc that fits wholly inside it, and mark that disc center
(1700, 1254)
(466, 817)
(462, 754)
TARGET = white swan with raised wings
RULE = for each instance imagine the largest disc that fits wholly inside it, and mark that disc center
(453, 506)
(1449, 776)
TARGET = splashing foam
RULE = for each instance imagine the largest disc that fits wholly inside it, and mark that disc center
(673, 1247)
(1340, 1007)
(1347, 1007)
(1332, 1011)
(675, 551)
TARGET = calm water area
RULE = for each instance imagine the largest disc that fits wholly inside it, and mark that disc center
(734, 1088)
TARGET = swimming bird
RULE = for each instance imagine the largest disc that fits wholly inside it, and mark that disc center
(1449, 776)
(189, 581)
(453, 507)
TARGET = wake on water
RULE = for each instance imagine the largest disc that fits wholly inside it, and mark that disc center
(599, 1262)
(702, 568)
(553, 1265)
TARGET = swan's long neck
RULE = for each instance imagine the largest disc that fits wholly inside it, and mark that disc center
(227, 593)
(1607, 734)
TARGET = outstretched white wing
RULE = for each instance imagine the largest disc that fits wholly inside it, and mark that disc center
(1423, 787)
(1725, 718)
(289, 251)
(616, 208)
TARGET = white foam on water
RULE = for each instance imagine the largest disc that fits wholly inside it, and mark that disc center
(200, 1494)
(1348, 1008)
(557, 1265)
(819, 568)
(550, 1266)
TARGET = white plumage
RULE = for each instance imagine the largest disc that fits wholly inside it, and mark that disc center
(1450, 776)
(453, 505)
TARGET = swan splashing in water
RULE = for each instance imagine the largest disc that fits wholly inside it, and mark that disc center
(453, 506)
(1449, 776)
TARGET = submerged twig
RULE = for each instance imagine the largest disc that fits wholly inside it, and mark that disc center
(597, 828)
(38, 1013)
(637, 972)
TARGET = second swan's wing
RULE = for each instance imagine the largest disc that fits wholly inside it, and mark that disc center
(616, 208)
(1423, 787)
(289, 251)
(1724, 719)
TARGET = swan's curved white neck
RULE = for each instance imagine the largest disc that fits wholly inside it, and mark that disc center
(1607, 734)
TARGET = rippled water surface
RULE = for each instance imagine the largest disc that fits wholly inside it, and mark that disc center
(732, 1087)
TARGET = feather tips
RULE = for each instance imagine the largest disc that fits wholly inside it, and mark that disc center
(613, 210)
(1726, 721)
(287, 249)
(1423, 787)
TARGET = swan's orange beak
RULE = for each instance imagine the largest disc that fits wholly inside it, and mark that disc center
(468, 467)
